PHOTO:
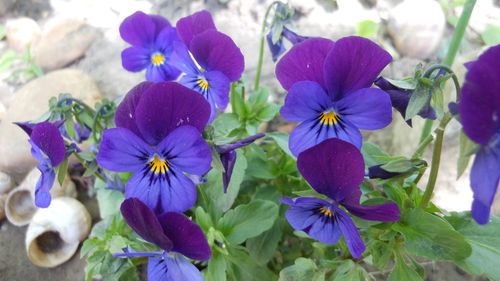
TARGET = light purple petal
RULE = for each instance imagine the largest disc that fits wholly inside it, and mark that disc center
(484, 179)
(367, 109)
(166, 41)
(214, 50)
(47, 137)
(386, 212)
(125, 112)
(157, 269)
(122, 151)
(160, 23)
(303, 211)
(480, 97)
(351, 235)
(326, 230)
(218, 88)
(186, 150)
(161, 73)
(166, 106)
(353, 64)
(180, 269)
(305, 100)
(304, 61)
(138, 29)
(144, 221)
(136, 58)
(334, 168)
(45, 181)
(190, 26)
(186, 236)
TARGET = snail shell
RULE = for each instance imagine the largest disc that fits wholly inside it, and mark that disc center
(55, 232)
(20, 206)
(6, 183)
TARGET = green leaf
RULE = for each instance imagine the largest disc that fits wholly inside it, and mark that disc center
(62, 171)
(402, 271)
(349, 271)
(7, 59)
(263, 247)
(407, 84)
(203, 219)
(237, 101)
(281, 140)
(244, 268)
(373, 154)
(109, 201)
(491, 35)
(223, 201)
(485, 242)
(224, 124)
(437, 99)
(367, 28)
(216, 270)
(303, 270)
(268, 112)
(258, 98)
(430, 236)
(418, 100)
(467, 149)
(247, 221)
(216, 162)
(382, 253)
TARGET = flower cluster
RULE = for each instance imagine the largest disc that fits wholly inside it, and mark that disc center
(328, 91)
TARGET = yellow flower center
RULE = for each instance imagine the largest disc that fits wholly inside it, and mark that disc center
(203, 84)
(157, 58)
(158, 165)
(326, 211)
(329, 117)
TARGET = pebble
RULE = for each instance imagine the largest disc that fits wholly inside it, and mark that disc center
(21, 33)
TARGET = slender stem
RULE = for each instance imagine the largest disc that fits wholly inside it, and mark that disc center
(463, 21)
(436, 159)
(84, 163)
(94, 123)
(261, 48)
(421, 147)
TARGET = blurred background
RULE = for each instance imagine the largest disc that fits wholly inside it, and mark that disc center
(52, 46)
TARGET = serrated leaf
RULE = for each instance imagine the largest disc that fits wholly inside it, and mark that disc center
(430, 236)
(349, 271)
(263, 247)
(244, 268)
(224, 124)
(247, 221)
(281, 140)
(268, 112)
(302, 270)
(402, 271)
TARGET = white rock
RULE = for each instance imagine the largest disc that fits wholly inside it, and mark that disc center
(29, 103)
(21, 33)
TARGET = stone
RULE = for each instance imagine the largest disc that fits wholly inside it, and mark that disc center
(21, 33)
(6, 94)
(62, 42)
(417, 27)
(29, 103)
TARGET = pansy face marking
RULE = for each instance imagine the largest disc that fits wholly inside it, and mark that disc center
(158, 165)
(329, 117)
(326, 211)
(203, 84)
(157, 58)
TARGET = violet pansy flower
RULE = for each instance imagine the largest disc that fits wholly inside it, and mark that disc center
(152, 39)
(480, 116)
(210, 59)
(328, 90)
(47, 146)
(158, 139)
(334, 168)
(174, 234)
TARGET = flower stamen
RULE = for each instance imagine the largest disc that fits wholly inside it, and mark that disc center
(158, 165)
(329, 117)
(157, 58)
(202, 83)
(326, 211)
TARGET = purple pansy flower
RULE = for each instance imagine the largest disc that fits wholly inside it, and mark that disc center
(328, 90)
(152, 39)
(47, 146)
(210, 59)
(174, 234)
(400, 99)
(158, 139)
(228, 156)
(334, 168)
(480, 116)
(278, 48)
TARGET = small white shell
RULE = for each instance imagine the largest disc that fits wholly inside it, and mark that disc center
(6, 183)
(20, 206)
(3, 197)
(55, 232)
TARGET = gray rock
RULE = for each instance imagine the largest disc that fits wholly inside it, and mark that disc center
(29, 103)
(21, 33)
(62, 42)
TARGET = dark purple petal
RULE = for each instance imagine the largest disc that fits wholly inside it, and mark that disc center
(173, 192)
(304, 62)
(161, 73)
(136, 58)
(276, 49)
(312, 132)
(351, 235)
(166, 106)
(386, 212)
(186, 236)
(125, 112)
(186, 150)
(128, 254)
(367, 109)
(48, 138)
(138, 29)
(228, 160)
(353, 63)
(480, 98)
(26, 126)
(122, 151)
(293, 37)
(303, 211)
(484, 179)
(190, 26)
(144, 221)
(377, 172)
(334, 168)
(239, 143)
(214, 50)
(305, 100)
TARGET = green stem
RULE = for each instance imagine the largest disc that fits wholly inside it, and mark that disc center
(84, 163)
(463, 21)
(261, 48)
(436, 159)
(94, 123)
